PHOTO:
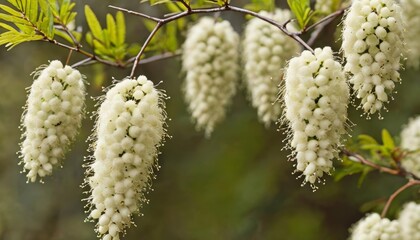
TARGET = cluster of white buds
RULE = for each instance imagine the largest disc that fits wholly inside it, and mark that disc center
(130, 127)
(316, 98)
(410, 9)
(210, 59)
(410, 140)
(265, 52)
(373, 227)
(52, 118)
(409, 219)
(372, 46)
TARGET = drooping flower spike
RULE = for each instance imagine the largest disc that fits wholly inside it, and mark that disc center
(210, 60)
(316, 96)
(373, 227)
(409, 220)
(53, 115)
(265, 52)
(410, 141)
(410, 13)
(129, 130)
(372, 47)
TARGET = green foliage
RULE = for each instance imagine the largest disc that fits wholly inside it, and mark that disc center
(302, 10)
(31, 20)
(382, 154)
(26, 20)
(259, 5)
(108, 43)
(155, 2)
(350, 167)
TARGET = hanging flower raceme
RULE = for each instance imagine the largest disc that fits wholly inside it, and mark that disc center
(410, 140)
(372, 46)
(316, 98)
(130, 127)
(52, 118)
(373, 227)
(410, 12)
(409, 219)
(210, 59)
(265, 52)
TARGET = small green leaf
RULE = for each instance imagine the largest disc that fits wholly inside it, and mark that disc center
(155, 2)
(10, 10)
(387, 139)
(366, 139)
(111, 27)
(302, 10)
(93, 23)
(120, 22)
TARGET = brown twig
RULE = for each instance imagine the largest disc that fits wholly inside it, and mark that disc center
(359, 158)
(226, 7)
(328, 19)
(391, 198)
(149, 38)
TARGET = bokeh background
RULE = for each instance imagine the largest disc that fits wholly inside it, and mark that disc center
(235, 185)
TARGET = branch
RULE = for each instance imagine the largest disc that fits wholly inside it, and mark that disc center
(162, 21)
(391, 198)
(328, 19)
(155, 58)
(359, 158)
(149, 38)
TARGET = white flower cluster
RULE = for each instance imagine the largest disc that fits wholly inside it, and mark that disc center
(373, 227)
(53, 116)
(409, 219)
(410, 140)
(210, 59)
(372, 46)
(265, 52)
(410, 9)
(130, 127)
(316, 98)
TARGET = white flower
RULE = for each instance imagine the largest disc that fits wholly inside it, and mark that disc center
(410, 140)
(409, 219)
(130, 127)
(372, 46)
(316, 98)
(373, 227)
(53, 116)
(265, 52)
(410, 12)
(210, 59)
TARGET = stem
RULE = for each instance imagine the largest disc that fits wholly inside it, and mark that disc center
(135, 13)
(155, 58)
(226, 7)
(391, 198)
(328, 19)
(295, 36)
(149, 38)
(358, 158)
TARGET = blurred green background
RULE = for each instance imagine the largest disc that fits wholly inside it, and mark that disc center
(235, 185)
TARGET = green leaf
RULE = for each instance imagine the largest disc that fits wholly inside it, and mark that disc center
(366, 139)
(387, 140)
(112, 28)
(120, 22)
(302, 10)
(93, 23)
(155, 2)
(32, 10)
(10, 10)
